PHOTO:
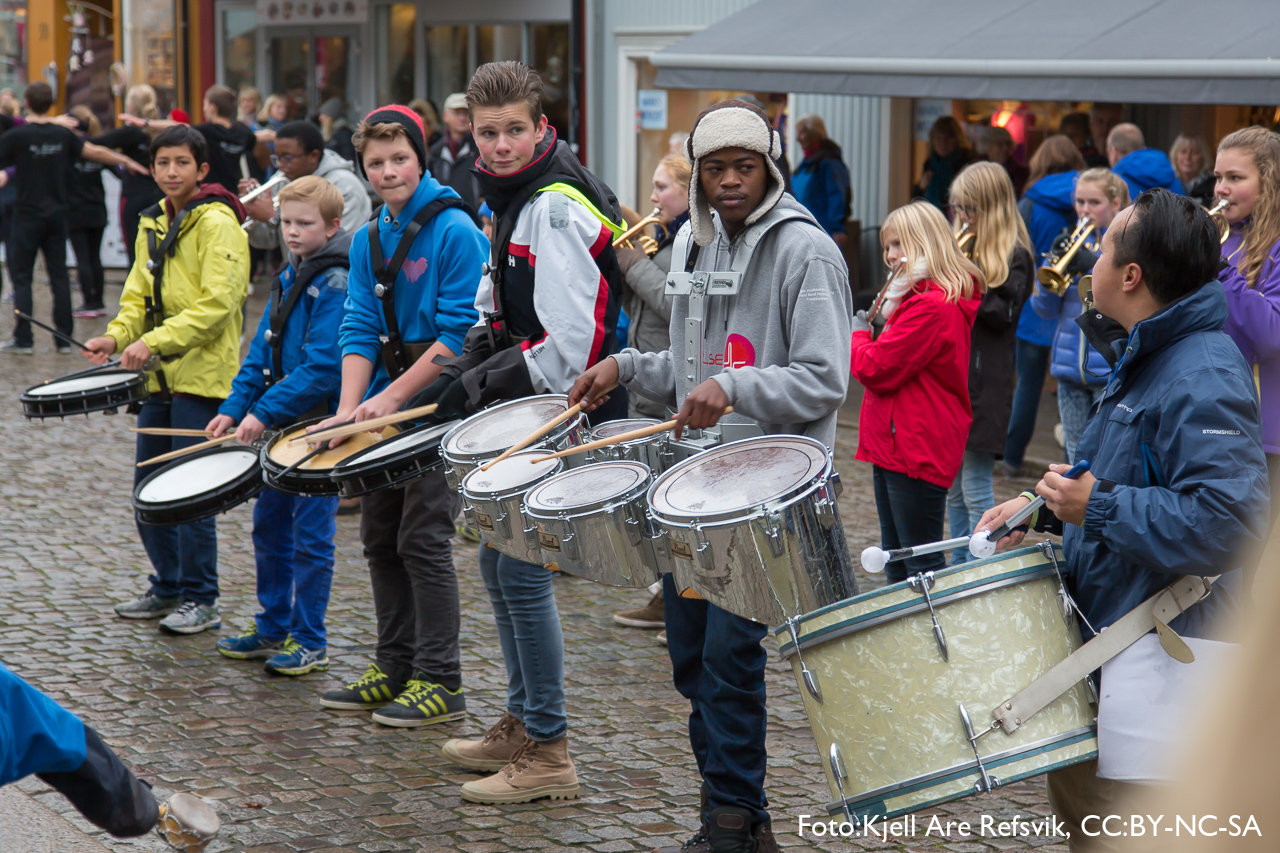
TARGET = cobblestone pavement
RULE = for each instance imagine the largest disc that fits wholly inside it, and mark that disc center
(287, 775)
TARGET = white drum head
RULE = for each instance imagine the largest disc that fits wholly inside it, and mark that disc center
(611, 428)
(586, 486)
(198, 476)
(496, 429)
(76, 384)
(738, 476)
(399, 443)
(512, 473)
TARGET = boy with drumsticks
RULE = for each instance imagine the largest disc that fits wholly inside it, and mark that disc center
(777, 350)
(292, 371)
(411, 297)
(180, 318)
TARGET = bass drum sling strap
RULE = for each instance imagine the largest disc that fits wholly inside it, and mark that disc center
(282, 308)
(157, 254)
(395, 357)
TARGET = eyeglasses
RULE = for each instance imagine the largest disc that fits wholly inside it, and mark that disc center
(282, 161)
(963, 209)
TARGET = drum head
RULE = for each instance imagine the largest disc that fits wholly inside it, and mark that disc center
(514, 473)
(284, 452)
(587, 486)
(198, 476)
(611, 428)
(738, 476)
(424, 439)
(496, 429)
(77, 384)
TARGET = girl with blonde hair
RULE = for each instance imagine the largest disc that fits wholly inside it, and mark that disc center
(982, 197)
(1248, 177)
(249, 100)
(915, 407)
(137, 192)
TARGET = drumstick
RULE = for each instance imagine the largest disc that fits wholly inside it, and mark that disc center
(33, 321)
(174, 454)
(571, 412)
(316, 451)
(193, 433)
(618, 439)
(351, 427)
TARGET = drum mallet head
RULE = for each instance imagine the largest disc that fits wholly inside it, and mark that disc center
(873, 559)
(188, 823)
(981, 545)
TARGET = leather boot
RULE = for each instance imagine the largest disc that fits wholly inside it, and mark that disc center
(491, 752)
(537, 770)
(729, 830)
(698, 843)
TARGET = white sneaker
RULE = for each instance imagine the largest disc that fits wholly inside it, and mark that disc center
(1060, 436)
(191, 618)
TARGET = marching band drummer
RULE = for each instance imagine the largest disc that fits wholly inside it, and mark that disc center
(181, 303)
(1178, 483)
(777, 352)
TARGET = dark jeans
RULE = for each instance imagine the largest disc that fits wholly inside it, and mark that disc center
(185, 556)
(406, 533)
(718, 664)
(911, 513)
(1032, 364)
(49, 237)
(87, 244)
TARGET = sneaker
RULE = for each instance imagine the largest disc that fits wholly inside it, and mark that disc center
(296, 659)
(64, 350)
(1060, 435)
(468, 534)
(536, 771)
(421, 704)
(652, 615)
(372, 690)
(84, 312)
(250, 645)
(494, 751)
(662, 637)
(148, 607)
(191, 618)
(8, 296)
(16, 349)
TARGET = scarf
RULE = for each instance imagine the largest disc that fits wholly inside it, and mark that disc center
(899, 288)
(550, 157)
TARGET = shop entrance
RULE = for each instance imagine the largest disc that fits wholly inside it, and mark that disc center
(311, 65)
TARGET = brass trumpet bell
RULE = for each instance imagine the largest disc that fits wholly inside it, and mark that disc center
(1055, 278)
(647, 244)
(965, 240)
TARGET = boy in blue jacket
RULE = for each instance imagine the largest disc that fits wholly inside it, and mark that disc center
(292, 371)
(414, 273)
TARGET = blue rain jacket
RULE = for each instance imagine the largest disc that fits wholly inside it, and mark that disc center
(1178, 431)
(1147, 168)
(1048, 206)
(37, 735)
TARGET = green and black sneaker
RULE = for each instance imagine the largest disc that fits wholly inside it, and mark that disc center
(372, 690)
(421, 704)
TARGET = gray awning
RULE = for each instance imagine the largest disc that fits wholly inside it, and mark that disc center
(1134, 51)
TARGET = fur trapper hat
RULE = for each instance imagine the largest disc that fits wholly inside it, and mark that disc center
(732, 124)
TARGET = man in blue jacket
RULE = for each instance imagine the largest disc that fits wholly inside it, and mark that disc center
(1178, 484)
(1141, 167)
(411, 297)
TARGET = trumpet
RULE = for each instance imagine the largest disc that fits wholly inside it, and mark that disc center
(647, 243)
(1054, 278)
(1220, 219)
(275, 180)
(965, 240)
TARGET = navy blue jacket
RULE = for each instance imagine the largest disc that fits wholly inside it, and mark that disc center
(1178, 431)
(1147, 168)
(1048, 206)
(821, 184)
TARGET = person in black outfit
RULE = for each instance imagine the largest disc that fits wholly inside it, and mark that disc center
(137, 191)
(44, 154)
(87, 219)
(450, 159)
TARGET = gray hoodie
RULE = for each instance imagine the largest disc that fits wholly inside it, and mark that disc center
(779, 348)
(338, 171)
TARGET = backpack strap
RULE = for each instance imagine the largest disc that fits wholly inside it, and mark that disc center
(158, 254)
(282, 308)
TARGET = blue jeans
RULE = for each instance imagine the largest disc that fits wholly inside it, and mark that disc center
(293, 549)
(1074, 404)
(911, 513)
(1032, 363)
(970, 496)
(718, 664)
(524, 608)
(185, 556)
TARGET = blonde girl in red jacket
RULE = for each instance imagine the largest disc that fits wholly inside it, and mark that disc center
(915, 408)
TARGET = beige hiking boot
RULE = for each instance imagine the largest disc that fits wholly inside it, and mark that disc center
(491, 752)
(652, 615)
(537, 770)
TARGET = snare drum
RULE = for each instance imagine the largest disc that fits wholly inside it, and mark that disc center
(199, 486)
(84, 392)
(895, 709)
(392, 462)
(753, 527)
(310, 479)
(485, 435)
(653, 451)
(593, 522)
(493, 501)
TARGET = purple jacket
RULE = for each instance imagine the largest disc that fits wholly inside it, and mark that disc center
(1253, 322)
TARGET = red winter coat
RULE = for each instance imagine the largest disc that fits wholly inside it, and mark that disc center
(915, 412)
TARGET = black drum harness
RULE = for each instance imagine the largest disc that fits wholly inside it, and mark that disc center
(282, 307)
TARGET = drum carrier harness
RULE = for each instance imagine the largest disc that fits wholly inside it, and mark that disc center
(282, 308)
(157, 256)
(398, 355)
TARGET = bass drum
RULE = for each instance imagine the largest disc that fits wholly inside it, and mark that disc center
(199, 486)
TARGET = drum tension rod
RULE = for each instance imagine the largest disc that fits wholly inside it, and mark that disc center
(986, 782)
(1068, 600)
(922, 583)
(838, 773)
(810, 680)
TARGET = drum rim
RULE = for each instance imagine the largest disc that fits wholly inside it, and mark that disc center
(346, 469)
(53, 405)
(713, 519)
(247, 478)
(135, 378)
(481, 457)
(507, 494)
(656, 438)
(640, 490)
(311, 477)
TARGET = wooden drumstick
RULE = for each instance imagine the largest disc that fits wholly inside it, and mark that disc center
(351, 428)
(191, 433)
(174, 454)
(617, 439)
(572, 412)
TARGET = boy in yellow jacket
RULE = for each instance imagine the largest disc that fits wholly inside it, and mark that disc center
(180, 318)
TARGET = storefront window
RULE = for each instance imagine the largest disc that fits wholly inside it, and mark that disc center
(394, 52)
(239, 47)
(549, 54)
(448, 69)
(13, 44)
(87, 68)
(498, 43)
(151, 27)
(290, 67)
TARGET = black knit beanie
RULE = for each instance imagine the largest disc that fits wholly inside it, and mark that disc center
(410, 121)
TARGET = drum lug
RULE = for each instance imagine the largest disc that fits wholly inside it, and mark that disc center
(531, 537)
(838, 773)
(568, 541)
(986, 782)
(703, 551)
(450, 479)
(772, 527)
(810, 680)
(468, 512)
(634, 528)
(502, 525)
(825, 508)
(922, 583)
(836, 487)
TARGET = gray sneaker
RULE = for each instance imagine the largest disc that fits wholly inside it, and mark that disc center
(191, 618)
(16, 349)
(148, 607)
